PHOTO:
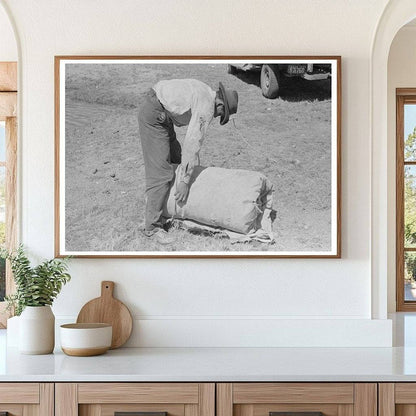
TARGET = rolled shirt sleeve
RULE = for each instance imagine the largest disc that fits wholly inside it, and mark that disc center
(188, 96)
(202, 115)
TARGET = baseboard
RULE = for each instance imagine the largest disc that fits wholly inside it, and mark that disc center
(148, 332)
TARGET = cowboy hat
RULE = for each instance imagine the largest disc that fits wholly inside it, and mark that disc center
(230, 99)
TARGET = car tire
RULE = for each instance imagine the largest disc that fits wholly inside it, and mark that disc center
(231, 69)
(270, 81)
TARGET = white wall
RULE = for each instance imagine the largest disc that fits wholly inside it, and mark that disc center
(8, 47)
(211, 302)
(401, 74)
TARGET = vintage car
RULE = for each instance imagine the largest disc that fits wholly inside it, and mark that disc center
(271, 75)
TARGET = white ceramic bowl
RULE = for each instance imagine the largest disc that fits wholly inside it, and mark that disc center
(83, 340)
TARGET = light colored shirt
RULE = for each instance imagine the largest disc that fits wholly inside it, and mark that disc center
(188, 102)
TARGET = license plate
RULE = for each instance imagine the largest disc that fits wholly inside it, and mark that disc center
(296, 69)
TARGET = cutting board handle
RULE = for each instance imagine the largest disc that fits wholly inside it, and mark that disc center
(107, 289)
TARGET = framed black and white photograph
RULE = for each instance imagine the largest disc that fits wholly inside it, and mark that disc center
(197, 156)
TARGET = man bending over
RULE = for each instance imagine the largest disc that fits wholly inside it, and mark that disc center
(178, 102)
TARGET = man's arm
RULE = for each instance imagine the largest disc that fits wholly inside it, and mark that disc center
(192, 145)
(190, 153)
(202, 114)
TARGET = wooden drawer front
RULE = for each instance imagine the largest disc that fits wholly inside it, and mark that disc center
(19, 393)
(397, 399)
(265, 409)
(331, 399)
(138, 393)
(27, 399)
(12, 409)
(293, 393)
(110, 409)
(104, 399)
(405, 393)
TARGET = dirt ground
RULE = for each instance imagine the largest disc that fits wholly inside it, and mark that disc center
(288, 139)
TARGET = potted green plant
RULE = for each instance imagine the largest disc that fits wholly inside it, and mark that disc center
(36, 289)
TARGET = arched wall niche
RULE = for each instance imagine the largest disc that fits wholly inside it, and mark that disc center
(401, 74)
(396, 15)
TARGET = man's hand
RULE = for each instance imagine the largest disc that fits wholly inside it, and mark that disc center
(181, 192)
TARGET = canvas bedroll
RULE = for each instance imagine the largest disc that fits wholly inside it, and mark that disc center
(236, 200)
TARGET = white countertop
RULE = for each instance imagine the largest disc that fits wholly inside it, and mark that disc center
(213, 364)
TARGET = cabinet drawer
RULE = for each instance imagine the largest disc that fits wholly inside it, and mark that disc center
(397, 399)
(19, 393)
(297, 399)
(293, 393)
(138, 393)
(21, 399)
(144, 409)
(107, 399)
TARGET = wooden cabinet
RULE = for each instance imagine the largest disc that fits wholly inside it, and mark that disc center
(397, 399)
(106, 399)
(27, 399)
(297, 399)
(208, 399)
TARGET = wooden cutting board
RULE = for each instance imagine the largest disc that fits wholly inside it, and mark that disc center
(107, 309)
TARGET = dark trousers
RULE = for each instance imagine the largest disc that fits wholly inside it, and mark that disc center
(161, 150)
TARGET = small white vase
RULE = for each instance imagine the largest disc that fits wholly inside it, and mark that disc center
(37, 330)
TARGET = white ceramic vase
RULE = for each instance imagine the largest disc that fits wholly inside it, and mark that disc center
(37, 330)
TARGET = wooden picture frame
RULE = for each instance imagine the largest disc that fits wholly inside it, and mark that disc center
(287, 131)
